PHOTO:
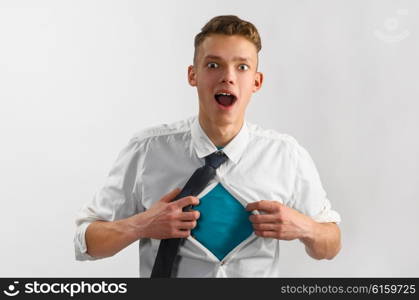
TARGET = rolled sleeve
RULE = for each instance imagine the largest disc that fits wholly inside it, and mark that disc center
(119, 197)
(80, 243)
(309, 195)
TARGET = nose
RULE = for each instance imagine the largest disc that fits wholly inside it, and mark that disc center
(228, 75)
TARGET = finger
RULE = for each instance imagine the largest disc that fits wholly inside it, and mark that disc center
(186, 201)
(266, 234)
(170, 196)
(187, 225)
(269, 218)
(190, 215)
(265, 227)
(182, 234)
(264, 205)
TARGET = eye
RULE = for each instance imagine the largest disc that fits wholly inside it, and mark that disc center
(243, 67)
(212, 65)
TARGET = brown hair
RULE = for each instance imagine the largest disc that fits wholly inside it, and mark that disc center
(228, 25)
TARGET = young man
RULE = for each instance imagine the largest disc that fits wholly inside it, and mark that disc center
(268, 189)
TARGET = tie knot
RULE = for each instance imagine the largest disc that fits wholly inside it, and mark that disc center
(216, 159)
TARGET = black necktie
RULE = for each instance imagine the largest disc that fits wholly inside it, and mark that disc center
(168, 248)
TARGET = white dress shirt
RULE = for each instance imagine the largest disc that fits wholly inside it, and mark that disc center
(262, 165)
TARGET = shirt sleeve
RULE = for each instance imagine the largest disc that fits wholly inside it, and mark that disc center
(309, 196)
(119, 197)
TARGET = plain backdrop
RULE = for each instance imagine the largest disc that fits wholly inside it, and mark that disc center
(79, 78)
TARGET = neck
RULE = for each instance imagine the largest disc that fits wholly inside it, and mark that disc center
(220, 134)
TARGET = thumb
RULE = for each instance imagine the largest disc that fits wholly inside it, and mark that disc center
(170, 196)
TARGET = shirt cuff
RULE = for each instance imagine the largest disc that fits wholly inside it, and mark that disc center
(80, 246)
(326, 216)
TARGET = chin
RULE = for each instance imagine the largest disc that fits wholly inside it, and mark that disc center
(225, 120)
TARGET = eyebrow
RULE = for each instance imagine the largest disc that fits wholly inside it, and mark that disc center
(236, 58)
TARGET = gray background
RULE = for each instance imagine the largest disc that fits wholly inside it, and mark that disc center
(78, 78)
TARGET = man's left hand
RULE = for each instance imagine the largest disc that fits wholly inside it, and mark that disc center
(279, 221)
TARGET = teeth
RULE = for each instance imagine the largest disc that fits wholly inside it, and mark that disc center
(224, 94)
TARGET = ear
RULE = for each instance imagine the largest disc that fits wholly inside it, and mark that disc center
(258, 82)
(191, 75)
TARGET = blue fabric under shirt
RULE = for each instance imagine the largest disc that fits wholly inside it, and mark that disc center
(223, 222)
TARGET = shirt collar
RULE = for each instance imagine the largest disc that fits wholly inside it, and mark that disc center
(203, 145)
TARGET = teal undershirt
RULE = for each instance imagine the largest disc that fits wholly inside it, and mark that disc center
(223, 222)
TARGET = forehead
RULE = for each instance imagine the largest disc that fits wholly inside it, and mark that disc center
(227, 47)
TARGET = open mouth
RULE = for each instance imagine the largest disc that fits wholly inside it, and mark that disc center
(225, 99)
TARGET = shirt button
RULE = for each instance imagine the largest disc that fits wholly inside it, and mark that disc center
(223, 263)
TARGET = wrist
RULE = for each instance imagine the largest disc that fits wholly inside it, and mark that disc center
(136, 226)
(309, 234)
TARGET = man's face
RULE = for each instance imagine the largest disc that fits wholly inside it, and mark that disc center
(225, 76)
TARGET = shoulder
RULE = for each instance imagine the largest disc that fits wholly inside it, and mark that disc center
(285, 145)
(162, 130)
(275, 138)
(278, 143)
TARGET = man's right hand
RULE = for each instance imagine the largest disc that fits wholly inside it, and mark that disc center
(165, 219)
